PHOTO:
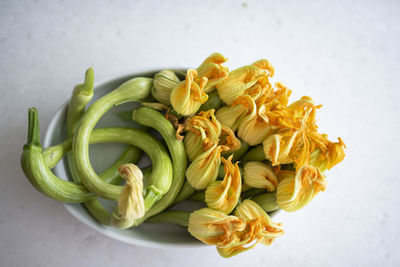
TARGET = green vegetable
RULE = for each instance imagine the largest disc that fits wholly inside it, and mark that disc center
(52, 155)
(152, 118)
(101, 214)
(186, 191)
(252, 192)
(213, 102)
(40, 175)
(174, 216)
(267, 201)
(81, 95)
(45, 181)
(199, 196)
(254, 154)
(161, 178)
(111, 174)
(240, 152)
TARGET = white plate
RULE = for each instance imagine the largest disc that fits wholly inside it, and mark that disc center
(102, 155)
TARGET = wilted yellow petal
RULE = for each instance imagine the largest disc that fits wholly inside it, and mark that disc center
(244, 240)
(249, 210)
(325, 159)
(212, 69)
(234, 234)
(214, 227)
(265, 65)
(260, 175)
(238, 82)
(224, 195)
(295, 192)
(203, 131)
(278, 146)
(278, 98)
(204, 169)
(336, 153)
(187, 97)
(228, 139)
(259, 228)
(131, 201)
(253, 127)
(297, 136)
(163, 83)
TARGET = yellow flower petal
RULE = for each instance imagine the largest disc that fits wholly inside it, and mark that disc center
(253, 128)
(204, 169)
(212, 69)
(295, 192)
(325, 159)
(244, 240)
(187, 97)
(194, 144)
(224, 195)
(260, 175)
(131, 201)
(336, 153)
(278, 146)
(259, 228)
(203, 131)
(233, 234)
(228, 139)
(265, 65)
(214, 227)
(249, 210)
(230, 116)
(238, 82)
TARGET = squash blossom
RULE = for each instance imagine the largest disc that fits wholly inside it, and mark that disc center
(163, 83)
(253, 127)
(238, 82)
(259, 229)
(212, 69)
(203, 131)
(204, 169)
(298, 136)
(230, 116)
(131, 202)
(194, 144)
(260, 175)
(275, 103)
(228, 139)
(265, 65)
(214, 227)
(233, 234)
(325, 159)
(249, 210)
(224, 195)
(297, 190)
(277, 147)
(187, 97)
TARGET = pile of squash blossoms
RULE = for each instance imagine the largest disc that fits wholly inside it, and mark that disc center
(261, 140)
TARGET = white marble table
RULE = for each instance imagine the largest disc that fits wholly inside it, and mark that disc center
(344, 54)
